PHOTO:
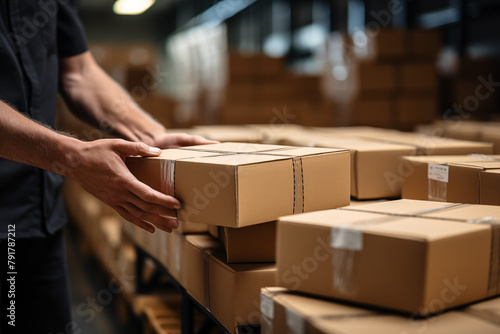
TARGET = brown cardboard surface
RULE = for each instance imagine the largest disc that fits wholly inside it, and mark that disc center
(490, 187)
(424, 42)
(194, 276)
(279, 302)
(375, 111)
(227, 133)
(492, 135)
(284, 311)
(450, 322)
(404, 263)
(237, 184)
(419, 76)
(235, 290)
(464, 178)
(370, 164)
(432, 145)
(256, 243)
(376, 78)
(412, 110)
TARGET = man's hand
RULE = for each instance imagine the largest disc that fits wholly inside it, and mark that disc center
(175, 140)
(101, 170)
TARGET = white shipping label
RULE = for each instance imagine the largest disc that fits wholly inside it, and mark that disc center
(266, 306)
(295, 322)
(346, 238)
(438, 172)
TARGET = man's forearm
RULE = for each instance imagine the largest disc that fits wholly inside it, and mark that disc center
(97, 99)
(23, 140)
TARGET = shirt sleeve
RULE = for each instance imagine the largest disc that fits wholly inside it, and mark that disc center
(71, 39)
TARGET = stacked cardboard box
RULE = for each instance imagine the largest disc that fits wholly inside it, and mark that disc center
(376, 166)
(403, 255)
(458, 179)
(386, 79)
(260, 90)
(239, 190)
(488, 132)
(287, 312)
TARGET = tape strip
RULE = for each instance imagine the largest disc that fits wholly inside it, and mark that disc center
(437, 181)
(298, 185)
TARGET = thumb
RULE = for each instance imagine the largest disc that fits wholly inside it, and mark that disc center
(137, 148)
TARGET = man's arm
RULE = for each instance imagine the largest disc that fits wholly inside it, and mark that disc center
(96, 98)
(98, 166)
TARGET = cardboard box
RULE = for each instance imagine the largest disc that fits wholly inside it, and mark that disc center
(385, 44)
(413, 110)
(411, 263)
(280, 307)
(226, 133)
(428, 145)
(490, 187)
(374, 112)
(450, 322)
(235, 290)
(376, 78)
(372, 163)
(424, 43)
(492, 135)
(284, 311)
(455, 179)
(255, 243)
(238, 185)
(420, 77)
(194, 273)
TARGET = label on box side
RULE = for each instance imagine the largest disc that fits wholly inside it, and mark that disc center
(438, 172)
(345, 237)
(266, 306)
(294, 322)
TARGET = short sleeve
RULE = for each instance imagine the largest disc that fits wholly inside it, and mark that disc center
(71, 39)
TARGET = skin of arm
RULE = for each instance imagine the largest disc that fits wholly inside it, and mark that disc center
(98, 166)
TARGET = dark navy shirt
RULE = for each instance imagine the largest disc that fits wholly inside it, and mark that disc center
(34, 35)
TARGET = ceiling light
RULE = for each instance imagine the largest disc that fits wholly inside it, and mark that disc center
(132, 7)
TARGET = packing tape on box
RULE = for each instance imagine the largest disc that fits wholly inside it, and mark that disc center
(298, 185)
(347, 241)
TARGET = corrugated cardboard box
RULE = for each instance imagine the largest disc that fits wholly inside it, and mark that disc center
(419, 76)
(412, 110)
(238, 185)
(284, 311)
(428, 145)
(411, 262)
(376, 78)
(256, 243)
(374, 112)
(457, 179)
(235, 290)
(424, 43)
(371, 165)
(194, 276)
(490, 187)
